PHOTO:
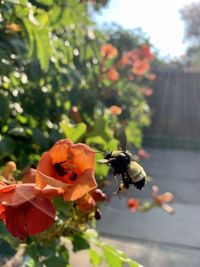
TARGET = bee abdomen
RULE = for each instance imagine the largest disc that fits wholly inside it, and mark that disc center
(137, 175)
(140, 184)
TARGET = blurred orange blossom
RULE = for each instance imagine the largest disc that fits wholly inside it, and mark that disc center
(115, 110)
(108, 51)
(112, 74)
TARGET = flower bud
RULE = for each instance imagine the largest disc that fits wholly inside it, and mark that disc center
(10, 167)
(98, 214)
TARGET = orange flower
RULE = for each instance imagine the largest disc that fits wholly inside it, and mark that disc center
(75, 114)
(151, 76)
(133, 204)
(146, 91)
(28, 175)
(108, 51)
(161, 199)
(115, 110)
(131, 77)
(25, 209)
(88, 202)
(112, 74)
(13, 27)
(7, 173)
(143, 154)
(98, 195)
(134, 55)
(146, 52)
(140, 67)
(2, 214)
(68, 166)
(125, 59)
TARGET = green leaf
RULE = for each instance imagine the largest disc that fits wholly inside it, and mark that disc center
(55, 261)
(132, 263)
(112, 256)
(134, 134)
(101, 128)
(62, 252)
(95, 258)
(7, 146)
(40, 139)
(30, 33)
(73, 132)
(96, 140)
(5, 248)
(79, 242)
(46, 2)
(101, 170)
(63, 206)
(4, 108)
(30, 262)
(113, 144)
(43, 47)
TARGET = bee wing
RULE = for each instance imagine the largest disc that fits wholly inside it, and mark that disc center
(123, 141)
(105, 161)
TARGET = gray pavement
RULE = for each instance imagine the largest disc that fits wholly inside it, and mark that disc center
(155, 238)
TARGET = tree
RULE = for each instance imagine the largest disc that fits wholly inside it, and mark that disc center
(190, 14)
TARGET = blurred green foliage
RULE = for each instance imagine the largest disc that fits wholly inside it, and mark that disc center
(50, 63)
(53, 85)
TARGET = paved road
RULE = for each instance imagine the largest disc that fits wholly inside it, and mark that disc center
(157, 239)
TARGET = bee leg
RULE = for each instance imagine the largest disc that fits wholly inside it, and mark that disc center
(115, 177)
(125, 181)
(120, 188)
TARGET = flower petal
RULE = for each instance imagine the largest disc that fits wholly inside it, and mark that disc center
(46, 166)
(59, 151)
(5, 188)
(30, 218)
(86, 203)
(83, 156)
(14, 196)
(84, 184)
(2, 212)
(39, 216)
(43, 179)
(51, 192)
(15, 221)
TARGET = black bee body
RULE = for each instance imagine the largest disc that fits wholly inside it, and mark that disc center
(118, 162)
(123, 164)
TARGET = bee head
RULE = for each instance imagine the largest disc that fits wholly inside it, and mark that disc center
(108, 155)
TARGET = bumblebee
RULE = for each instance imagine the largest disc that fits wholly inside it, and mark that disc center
(123, 164)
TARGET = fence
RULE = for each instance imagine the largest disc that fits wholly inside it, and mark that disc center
(175, 108)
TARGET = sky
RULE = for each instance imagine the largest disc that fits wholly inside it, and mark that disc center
(159, 19)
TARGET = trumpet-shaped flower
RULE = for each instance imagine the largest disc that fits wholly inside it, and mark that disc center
(25, 209)
(68, 166)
